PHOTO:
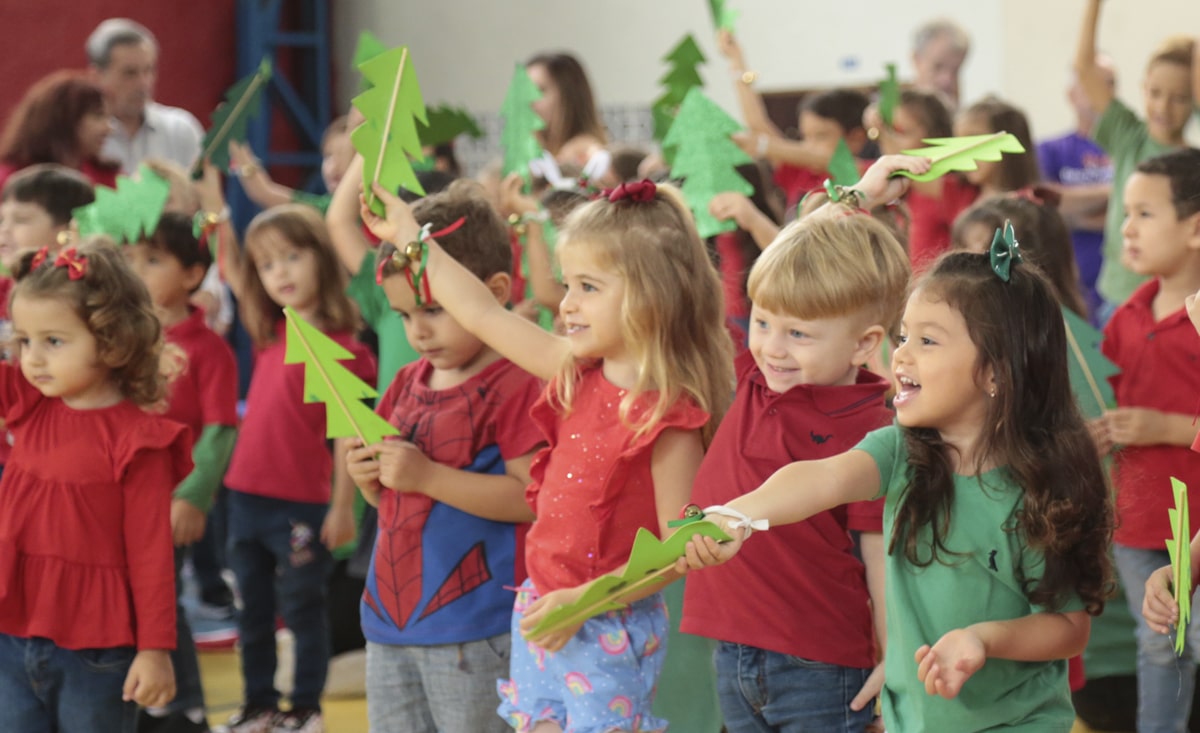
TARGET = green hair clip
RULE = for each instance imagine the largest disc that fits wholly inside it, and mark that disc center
(1005, 251)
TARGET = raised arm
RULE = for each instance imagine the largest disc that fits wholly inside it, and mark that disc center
(548, 292)
(1091, 78)
(255, 180)
(231, 261)
(345, 231)
(754, 111)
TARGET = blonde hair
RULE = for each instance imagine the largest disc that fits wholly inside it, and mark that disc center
(833, 266)
(1177, 50)
(303, 228)
(672, 317)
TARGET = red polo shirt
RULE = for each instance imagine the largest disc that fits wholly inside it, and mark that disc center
(932, 217)
(1160, 370)
(206, 392)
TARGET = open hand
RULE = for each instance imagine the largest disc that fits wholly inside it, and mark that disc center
(947, 665)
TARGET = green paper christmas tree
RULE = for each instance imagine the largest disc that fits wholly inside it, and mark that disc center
(243, 100)
(325, 380)
(960, 153)
(1180, 551)
(388, 138)
(843, 169)
(706, 158)
(519, 137)
(724, 18)
(446, 123)
(1089, 368)
(889, 95)
(649, 560)
(682, 75)
(368, 47)
(128, 213)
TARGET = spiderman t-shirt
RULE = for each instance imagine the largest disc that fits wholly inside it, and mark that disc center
(439, 575)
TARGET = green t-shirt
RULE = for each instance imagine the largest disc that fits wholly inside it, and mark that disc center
(1126, 140)
(394, 351)
(979, 584)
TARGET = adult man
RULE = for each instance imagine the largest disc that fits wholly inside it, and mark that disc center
(123, 57)
(939, 49)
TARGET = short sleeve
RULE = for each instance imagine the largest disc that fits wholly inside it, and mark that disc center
(1110, 346)
(865, 516)
(516, 433)
(218, 383)
(885, 448)
(1118, 127)
(363, 291)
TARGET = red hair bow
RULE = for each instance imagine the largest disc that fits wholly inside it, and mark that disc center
(39, 257)
(637, 191)
(75, 263)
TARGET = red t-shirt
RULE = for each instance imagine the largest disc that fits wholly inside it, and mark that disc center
(206, 392)
(734, 266)
(931, 219)
(796, 181)
(281, 451)
(592, 489)
(795, 589)
(86, 558)
(1160, 369)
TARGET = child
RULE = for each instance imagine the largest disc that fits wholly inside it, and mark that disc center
(336, 154)
(824, 295)
(434, 653)
(35, 206)
(87, 619)
(1011, 172)
(1150, 339)
(281, 520)
(996, 515)
(1167, 98)
(644, 364)
(172, 264)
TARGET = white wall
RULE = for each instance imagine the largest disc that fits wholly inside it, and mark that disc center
(464, 50)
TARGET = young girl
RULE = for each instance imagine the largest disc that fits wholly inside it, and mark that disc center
(281, 520)
(997, 516)
(644, 364)
(87, 598)
(1013, 172)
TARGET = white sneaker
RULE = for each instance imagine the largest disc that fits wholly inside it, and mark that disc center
(250, 720)
(307, 721)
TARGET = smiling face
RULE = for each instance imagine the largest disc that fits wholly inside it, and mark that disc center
(792, 351)
(59, 355)
(592, 308)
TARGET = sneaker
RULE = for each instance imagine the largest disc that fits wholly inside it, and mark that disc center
(216, 604)
(173, 723)
(250, 720)
(299, 720)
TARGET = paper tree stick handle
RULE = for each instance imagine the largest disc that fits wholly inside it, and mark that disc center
(1087, 373)
(985, 141)
(312, 357)
(387, 126)
(258, 80)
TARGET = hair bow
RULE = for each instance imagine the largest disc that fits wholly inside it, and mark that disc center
(1005, 251)
(637, 191)
(39, 258)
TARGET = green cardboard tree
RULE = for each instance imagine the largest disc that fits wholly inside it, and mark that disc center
(1180, 551)
(444, 123)
(368, 47)
(327, 381)
(1089, 368)
(889, 95)
(960, 153)
(388, 137)
(649, 560)
(706, 158)
(128, 213)
(243, 100)
(843, 169)
(519, 138)
(682, 75)
(723, 18)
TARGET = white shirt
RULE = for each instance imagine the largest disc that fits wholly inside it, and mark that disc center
(166, 132)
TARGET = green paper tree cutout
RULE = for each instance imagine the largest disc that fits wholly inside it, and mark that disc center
(960, 153)
(889, 95)
(243, 100)
(724, 19)
(519, 137)
(388, 137)
(649, 560)
(682, 75)
(327, 381)
(1180, 551)
(706, 158)
(128, 213)
(446, 123)
(368, 47)
(1089, 368)
(843, 170)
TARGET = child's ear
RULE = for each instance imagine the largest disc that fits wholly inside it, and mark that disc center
(193, 276)
(869, 342)
(501, 286)
(1192, 231)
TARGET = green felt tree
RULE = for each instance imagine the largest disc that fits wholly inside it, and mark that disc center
(1089, 368)
(446, 123)
(128, 213)
(327, 381)
(519, 137)
(243, 100)
(889, 95)
(706, 158)
(368, 47)
(1180, 551)
(843, 169)
(649, 560)
(723, 18)
(388, 137)
(682, 75)
(960, 153)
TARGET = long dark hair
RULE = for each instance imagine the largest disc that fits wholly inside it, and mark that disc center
(44, 126)
(576, 106)
(1015, 171)
(1033, 428)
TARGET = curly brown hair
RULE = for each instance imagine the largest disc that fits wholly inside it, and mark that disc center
(1033, 428)
(43, 127)
(116, 307)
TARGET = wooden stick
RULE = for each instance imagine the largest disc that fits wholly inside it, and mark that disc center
(255, 83)
(387, 125)
(291, 315)
(1087, 373)
(987, 140)
(587, 612)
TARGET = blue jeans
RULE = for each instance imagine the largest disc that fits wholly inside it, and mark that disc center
(189, 694)
(767, 692)
(47, 689)
(275, 552)
(1165, 681)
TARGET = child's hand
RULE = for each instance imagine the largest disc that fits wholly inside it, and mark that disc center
(731, 49)
(242, 158)
(362, 464)
(730, 205)
(187, 523)
(1159, 607)
(870, 689)
(513, 199)
(947, 666)
(402, 465)
(338, 527)
(1134, 426)
(532, 615)
(880, 185)
(702, 552)
(1101, 435)
(398, 227)
(1193, 309)
(151, 679)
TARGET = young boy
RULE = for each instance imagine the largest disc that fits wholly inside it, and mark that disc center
(203, 396)
(35, 206)
(1156, 348)
(436, 610)
(824, 295)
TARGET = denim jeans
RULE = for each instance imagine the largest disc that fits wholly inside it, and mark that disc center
(47, 689)
(189, 694)
(1165, 681)
(767, 692)
(275, 552)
